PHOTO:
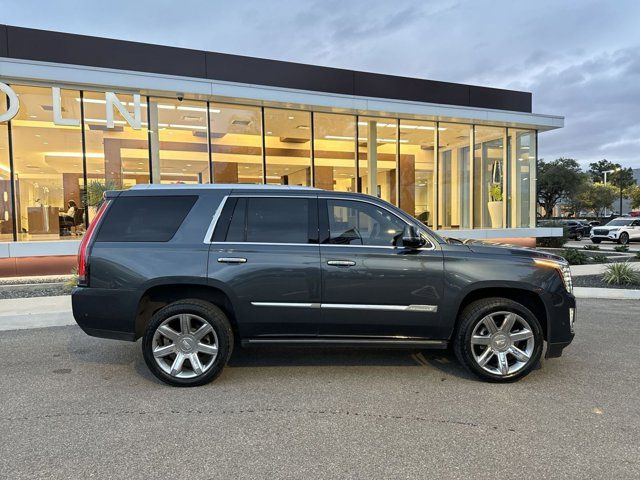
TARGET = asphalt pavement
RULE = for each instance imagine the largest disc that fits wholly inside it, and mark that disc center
(72, 406)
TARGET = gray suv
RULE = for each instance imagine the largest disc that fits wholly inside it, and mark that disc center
(197, 269)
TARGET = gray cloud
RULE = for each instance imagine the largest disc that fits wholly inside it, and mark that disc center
(580, 59)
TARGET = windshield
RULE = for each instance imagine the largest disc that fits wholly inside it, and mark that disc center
(619, 222)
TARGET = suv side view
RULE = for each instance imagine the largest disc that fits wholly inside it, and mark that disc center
(621, 230)
(196, 270)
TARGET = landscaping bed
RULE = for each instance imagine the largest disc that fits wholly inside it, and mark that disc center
(597, 282)
(34, 287)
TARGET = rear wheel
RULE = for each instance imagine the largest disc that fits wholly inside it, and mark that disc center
(498, 340)
(187, 343)
(624, 238)
(578, 236)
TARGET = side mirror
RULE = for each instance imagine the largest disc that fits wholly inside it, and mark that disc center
(411, 238)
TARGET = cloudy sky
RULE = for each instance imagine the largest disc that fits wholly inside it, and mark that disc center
(580, 58)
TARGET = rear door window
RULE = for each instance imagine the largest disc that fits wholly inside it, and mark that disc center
(273, 220)
(145, 219)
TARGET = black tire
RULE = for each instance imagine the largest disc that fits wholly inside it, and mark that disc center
(596, 240)
(624, 238)
(208, 313)
(473, 314)
(578, 236)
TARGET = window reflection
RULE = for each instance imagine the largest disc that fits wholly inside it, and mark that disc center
(47, 163)
(117, 157)
(522, 163)
(335, 152)
(416, 169)
(377, 140)
(182, 153)
(236, 143)
(288, 142)
(488, 178)
(454, 206)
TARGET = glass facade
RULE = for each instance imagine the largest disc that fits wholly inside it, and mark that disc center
(65, 147)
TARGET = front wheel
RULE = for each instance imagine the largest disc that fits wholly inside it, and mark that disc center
(624, 238)
(578, 236)
(498, 340)
(187, 343)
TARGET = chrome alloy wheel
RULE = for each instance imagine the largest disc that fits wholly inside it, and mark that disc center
(185, 346)
(504, 349)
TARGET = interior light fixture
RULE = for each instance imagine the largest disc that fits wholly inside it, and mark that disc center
(187, 127)
(73, 154)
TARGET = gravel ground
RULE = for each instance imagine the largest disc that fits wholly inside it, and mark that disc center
(596, 281)
(73, 406)
(25, 287)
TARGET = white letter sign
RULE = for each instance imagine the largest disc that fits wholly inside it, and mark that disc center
(14, 105)
(112, 101)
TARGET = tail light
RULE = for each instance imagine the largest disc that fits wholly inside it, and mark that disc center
(83, 251)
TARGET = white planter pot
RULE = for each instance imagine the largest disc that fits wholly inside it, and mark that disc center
(495, 212)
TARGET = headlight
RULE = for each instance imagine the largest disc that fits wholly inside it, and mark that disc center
(563, 269)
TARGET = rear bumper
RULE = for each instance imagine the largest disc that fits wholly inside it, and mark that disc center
(105, 313)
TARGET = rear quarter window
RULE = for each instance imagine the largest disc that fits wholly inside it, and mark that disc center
(145, 219)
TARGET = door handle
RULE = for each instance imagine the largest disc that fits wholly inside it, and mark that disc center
(341, 263)
(232, 260)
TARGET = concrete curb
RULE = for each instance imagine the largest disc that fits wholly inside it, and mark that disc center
(35, 312)
(607, 293)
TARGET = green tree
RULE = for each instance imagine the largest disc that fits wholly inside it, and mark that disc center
(597, 197)
(622, 179)
(633, 194)
(557, 180)
(597, 169)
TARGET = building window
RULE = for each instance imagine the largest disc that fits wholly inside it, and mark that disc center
(334, 139)
(454, 176)
(415, 167)
(489, 202)
(236, 143)
(288, 142)
(522, 166)
(118, 156)
(179, 152)
(47, 161)
(377, 140)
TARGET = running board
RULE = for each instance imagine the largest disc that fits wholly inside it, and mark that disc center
(346, 342)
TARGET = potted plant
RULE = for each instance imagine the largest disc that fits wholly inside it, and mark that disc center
(495, 205)
(95, 194)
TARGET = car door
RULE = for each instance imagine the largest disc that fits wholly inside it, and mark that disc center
(634, 231)
(265, 253)
(371, 285)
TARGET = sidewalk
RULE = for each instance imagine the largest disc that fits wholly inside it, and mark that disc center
(35, 312)
(592, 269)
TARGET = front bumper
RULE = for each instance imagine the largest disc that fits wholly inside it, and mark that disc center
(611, 236)
(561, 317)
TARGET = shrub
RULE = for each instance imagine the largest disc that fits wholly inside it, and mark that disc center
(621, 273)
(599, 258)
(637, 254)
(72, 282)
(553, 242)
(592, 247)
(621, 248)
(575, 256)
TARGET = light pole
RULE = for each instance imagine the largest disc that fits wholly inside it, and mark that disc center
(605, 182)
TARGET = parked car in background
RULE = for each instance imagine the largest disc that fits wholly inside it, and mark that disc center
(197, 269)
(620, 230)
(576, 229)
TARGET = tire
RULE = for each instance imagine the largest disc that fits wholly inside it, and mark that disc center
(204, 350)
(525, 334)
(624, 238)
(578, 236)
(596, 240)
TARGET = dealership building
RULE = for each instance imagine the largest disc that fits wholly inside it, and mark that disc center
(80, 114)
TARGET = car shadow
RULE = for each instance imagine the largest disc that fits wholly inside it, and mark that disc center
(89, 350)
